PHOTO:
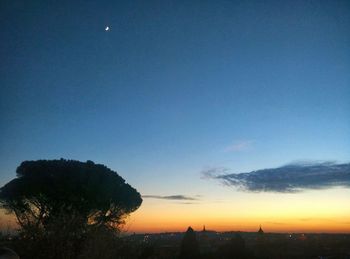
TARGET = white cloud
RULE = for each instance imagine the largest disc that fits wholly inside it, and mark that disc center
(239, 146)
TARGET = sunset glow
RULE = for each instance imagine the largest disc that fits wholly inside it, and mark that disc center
(316, 211)
(228, 114)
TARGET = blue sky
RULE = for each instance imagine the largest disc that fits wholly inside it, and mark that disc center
(174, 87)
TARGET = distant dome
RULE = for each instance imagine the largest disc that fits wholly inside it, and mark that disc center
(189, 230)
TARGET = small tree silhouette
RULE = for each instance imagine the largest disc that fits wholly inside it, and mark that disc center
(189, 245)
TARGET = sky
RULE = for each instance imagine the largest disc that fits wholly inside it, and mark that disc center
(182, 98)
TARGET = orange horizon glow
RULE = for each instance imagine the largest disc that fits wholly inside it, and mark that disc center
(332, 226)
(319, 211)
(322, 211)
(321, 225)
(176, 227)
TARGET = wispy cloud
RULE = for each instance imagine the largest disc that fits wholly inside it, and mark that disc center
(214, 172)
(275, 223)
(306, 219)
(289, 178)
(326, 220)
(171, 197)
(239, 146)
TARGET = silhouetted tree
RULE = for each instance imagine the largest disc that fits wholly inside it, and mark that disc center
(101, 243)
(189, 245)
(61, 200)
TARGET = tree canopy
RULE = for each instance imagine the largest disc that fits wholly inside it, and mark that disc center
(83, 193)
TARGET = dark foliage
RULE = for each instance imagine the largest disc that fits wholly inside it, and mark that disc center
(147, 252)
(189, 245)
(7, 253)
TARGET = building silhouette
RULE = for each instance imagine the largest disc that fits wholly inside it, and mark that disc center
(260, 235)
(261, 248)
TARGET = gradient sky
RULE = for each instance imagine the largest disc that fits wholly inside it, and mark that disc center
(175, 88)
